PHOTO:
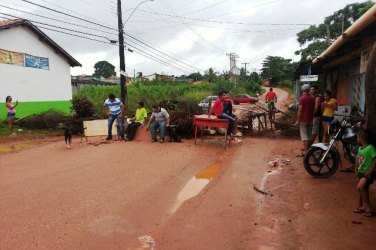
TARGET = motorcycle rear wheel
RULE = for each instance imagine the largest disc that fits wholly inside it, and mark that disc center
(313, 166)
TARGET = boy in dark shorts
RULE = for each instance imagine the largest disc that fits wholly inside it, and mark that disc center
(365, 166)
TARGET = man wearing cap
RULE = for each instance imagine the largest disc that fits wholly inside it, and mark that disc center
(305, 117)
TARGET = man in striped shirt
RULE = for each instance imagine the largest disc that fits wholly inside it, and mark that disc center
(114, 109)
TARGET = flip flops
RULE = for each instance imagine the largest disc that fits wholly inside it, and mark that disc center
(368, 214)
(359, 210)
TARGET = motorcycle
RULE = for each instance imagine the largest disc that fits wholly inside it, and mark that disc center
(322, 159)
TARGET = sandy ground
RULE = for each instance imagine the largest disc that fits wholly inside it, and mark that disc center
(106, 196)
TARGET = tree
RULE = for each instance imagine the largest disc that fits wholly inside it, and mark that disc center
(210, 75)
(226, 75)
(255, 78)
(317, 38)
(196, 76)
(104, 69)
(277, 69)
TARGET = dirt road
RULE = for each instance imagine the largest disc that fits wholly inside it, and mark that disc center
(184, 196)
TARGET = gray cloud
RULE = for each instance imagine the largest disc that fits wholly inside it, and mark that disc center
(202, 44)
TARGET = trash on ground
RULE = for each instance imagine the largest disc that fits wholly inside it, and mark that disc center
(261, 191)
(147, 240)
(306, 205)
(279, 161)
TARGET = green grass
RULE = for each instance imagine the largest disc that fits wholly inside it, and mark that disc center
(29, 108)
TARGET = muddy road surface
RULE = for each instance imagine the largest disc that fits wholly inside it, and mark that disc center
(175, 196)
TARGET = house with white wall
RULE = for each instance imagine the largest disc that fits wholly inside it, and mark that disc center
(34, 69)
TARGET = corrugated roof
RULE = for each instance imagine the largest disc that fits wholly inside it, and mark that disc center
(7, 24)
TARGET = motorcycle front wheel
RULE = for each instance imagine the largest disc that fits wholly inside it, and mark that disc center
(321, 170)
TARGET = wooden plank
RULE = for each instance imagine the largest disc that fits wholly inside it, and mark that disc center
(98, 128)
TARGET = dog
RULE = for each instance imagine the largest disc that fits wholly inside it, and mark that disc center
(70, 130)
(174, 136)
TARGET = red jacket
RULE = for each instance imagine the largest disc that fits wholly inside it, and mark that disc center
(217, 107)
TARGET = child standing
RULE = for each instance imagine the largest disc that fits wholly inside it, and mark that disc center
(365, 167)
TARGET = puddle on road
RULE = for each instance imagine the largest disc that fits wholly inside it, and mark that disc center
(196, 184)
(6, 149)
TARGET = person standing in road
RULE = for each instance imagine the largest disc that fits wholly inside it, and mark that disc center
(328, 106)
(11, 114)
(114, 109)
(159, 119)
(136, 121)
(317, 113)
(271, 99)
(305, 118)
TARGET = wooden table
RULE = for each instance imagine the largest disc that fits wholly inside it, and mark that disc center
(209, 121)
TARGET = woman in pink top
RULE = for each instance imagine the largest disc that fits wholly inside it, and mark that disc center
(11, 115)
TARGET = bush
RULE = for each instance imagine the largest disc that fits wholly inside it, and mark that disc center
(82, 107)
(182, 114)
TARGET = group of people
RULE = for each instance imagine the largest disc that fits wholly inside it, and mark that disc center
(311, 112)
(314, 113)
(223, 108)
(114, 109)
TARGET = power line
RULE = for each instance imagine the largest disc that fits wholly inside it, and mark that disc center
(205, 8)
(88, 38)
(57, 20)
(194, 31)
(139, 51)
(86, 33)
(66, 14)
(72, 11)
(59, 27)
(222, 22)
(142, 42)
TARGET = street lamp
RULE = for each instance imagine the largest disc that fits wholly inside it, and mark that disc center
(136, 9)
(123, 87)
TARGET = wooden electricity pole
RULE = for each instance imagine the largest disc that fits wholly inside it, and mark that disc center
(123, 79)
(370, 86)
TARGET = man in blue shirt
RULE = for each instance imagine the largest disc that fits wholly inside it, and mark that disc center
(114, 109)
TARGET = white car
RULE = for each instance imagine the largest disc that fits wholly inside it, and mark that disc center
(208, 100)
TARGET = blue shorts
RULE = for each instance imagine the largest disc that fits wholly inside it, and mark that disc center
(327, 119)
(11, 116)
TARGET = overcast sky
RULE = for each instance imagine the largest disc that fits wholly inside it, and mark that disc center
(192, 34)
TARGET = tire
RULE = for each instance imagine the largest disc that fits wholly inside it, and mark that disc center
(317, 170)
(236, 102)
(348, 149)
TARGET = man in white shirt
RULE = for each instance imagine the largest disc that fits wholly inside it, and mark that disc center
(114, 109)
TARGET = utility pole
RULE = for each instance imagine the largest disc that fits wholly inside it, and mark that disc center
(327, 35)
(245, 66)
(343, 23)
(123, 79)
(233, 57)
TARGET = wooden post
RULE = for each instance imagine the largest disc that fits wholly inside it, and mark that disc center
(370, 89)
